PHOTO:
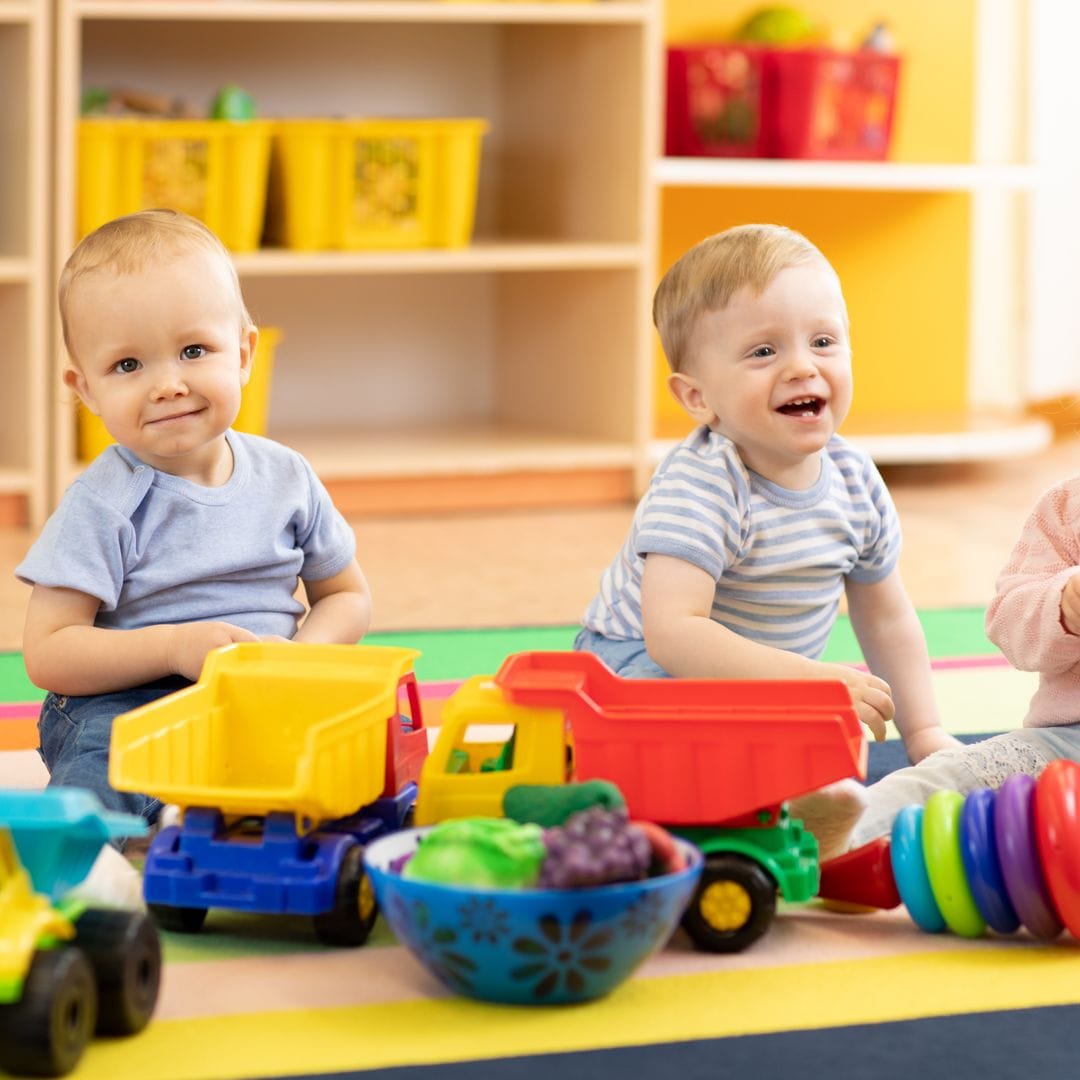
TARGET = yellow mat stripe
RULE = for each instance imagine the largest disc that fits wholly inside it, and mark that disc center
(1013, 975)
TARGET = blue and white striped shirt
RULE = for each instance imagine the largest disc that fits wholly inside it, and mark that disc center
(780, 558)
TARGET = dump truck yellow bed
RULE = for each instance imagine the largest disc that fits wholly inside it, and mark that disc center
(268, 727)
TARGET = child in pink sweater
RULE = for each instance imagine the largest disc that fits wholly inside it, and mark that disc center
(1034, 619)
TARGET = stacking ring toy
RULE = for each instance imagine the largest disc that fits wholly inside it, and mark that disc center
(1014, 834)
(945, 864)
(981, 862)
(1057, 830)
(994, 859)
(909, 870)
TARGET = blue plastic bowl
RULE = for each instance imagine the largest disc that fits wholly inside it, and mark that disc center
(529, 946)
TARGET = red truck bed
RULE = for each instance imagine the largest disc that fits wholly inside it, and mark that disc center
(694, 751)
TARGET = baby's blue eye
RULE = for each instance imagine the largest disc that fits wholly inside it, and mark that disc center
(127, 365)
(822, 342)
(192, 352)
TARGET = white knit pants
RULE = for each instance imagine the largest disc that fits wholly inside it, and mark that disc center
(983, 764)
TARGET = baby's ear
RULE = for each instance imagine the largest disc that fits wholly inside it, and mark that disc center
(249, 337)
(75, 380)
(689, 394)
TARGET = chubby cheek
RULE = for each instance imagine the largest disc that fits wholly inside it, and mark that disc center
(228, 399)
(117, 408)
(843, 392)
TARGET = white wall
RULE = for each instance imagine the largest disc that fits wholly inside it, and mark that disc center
(1053, 294)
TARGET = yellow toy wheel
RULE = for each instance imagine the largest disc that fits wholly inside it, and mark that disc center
(350, 920)
(734, 904)
(725, 905)
(366, 900)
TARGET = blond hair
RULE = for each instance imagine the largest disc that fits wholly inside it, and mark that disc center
(707, 276)
(126, 245)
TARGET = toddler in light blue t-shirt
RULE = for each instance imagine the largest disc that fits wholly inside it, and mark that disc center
(186, 535)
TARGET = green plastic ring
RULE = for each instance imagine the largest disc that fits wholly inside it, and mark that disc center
(945, 864)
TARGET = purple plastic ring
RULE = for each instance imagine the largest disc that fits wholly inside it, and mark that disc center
(1014, 834)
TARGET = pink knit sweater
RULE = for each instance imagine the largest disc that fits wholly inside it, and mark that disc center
(1024, 618)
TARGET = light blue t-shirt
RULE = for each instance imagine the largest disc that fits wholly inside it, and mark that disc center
(156, 548)
(779, 557)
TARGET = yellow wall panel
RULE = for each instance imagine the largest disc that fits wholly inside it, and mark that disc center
(903, 263)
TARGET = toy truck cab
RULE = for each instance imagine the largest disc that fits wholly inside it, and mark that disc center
(487, 745)
(66, 970)
(714, 760)
(285, 759)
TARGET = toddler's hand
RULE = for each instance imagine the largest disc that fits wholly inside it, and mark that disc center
(870, 695)
(190, 642)
(1070, 605)
(921, 744)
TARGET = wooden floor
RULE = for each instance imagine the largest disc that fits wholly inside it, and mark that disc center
(541, 567)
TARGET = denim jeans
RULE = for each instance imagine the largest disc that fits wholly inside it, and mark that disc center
(626, 658)
(74, 733)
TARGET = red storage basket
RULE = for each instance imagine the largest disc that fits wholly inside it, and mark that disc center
(715, 95)
(830, 104)
(749, 101)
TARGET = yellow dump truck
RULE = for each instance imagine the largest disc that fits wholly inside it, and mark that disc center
(286, 759)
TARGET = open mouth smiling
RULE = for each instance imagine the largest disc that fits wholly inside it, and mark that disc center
(804, 406)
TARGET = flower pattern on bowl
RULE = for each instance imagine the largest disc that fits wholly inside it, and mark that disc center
(425, 938)
(566, 952)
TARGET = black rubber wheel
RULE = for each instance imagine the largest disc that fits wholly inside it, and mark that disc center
(733, 906)
(46, 1031)
(125, 953)
(181, 920)
(353, 915)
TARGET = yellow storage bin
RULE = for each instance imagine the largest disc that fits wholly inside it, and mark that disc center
(360, 184)
(92, 436)
(214, 170)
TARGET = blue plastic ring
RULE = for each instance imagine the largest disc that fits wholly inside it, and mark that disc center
(979, 850)
(909, 869)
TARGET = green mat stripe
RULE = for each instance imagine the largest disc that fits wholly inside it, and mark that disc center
(456, 654)
(14, 685)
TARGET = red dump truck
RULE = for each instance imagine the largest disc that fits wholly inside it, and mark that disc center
(714, 760)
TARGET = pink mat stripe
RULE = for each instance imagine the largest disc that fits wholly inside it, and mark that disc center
(19, 710)
(445, 688)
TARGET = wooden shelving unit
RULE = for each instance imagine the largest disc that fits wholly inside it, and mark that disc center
(521, 370)
(24, 260)
(517, 369)
(842, 175)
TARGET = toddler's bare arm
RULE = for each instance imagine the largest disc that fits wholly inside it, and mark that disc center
(681, 636)
(340, 608)
(65, 653)
(894, 646)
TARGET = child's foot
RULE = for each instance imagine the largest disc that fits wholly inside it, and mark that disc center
(140, 845)
(112, 882)
(831, 813)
